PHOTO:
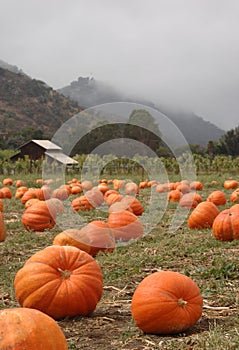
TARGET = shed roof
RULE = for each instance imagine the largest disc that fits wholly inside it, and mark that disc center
(61, 157)
(47, 144)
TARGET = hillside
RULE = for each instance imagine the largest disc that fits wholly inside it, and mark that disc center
(29, 103)
(89, 92)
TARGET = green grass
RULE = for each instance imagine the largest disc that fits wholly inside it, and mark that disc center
(213, 265)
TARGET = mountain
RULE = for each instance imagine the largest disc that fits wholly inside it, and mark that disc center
(88, 92)
(27, 103)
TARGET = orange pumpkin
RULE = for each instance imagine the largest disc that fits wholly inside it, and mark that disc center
(203, 215)
(1, 205)
(18, 183)
(174, 196)
(226, 225)
(234, 196)
(131, 188)
(196, 185)
(92, 238)
(20, 191)
(60, 281)
(134, 204)
(39, 216)
(125, 225)
(3, 230)
(166, 302)
(25, 328)
(217, 197)
(7, 193)
(7, 182)
(228, 184)
(190, 200)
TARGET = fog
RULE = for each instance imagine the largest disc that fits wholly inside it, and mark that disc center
(183, 53)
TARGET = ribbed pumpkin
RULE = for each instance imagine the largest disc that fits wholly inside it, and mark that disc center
(7, 193)
(28, 329)
(60, 281)
(39, 216)
(203, 215)
(196, 185)
(125, 225)
(234, 196)
(92, 238)
(226, 225)
(3, 229)
(166, 302)
(174, 196)
(7, 181)
(190, 200)
(131, 188)
(217, 197)
(228, 184)
(134, 204)
(1, 205)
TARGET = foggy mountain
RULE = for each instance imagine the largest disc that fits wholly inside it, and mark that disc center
(88, 92)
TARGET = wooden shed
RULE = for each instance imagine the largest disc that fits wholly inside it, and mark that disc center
(36, 149)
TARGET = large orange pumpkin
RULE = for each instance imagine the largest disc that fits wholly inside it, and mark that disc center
(3, 230)
(94, 237)
(203, 215)
(60, 281)
(190, 200)
(230, 183)
(166, 302)
(125, 224)
(226, 225)
(28, 329)
(39, 216)
(217, 197)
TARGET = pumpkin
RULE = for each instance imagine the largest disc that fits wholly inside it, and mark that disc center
(76, 189)
(81, 203)
(174, 196)
(112, 197)
(226, 225)
(1, 205)
(3, 230)
(29, 194)
(20, 191)
(125, 224)
(166, 302)
(203, 215)
(183, 187)
(103, 187)
(30, 202)
(228, 184)
(60, 281)
(61, 193)
(25, 328)
(217, 197)
(7, 182)
(131, 188)
(134, 204)
(118, 184)
(234, 196)
(94, 237)
(7, 193)
(161, 188)
(196, 185)
(190, 200)
(39, 216)
(86, 185)
(19, 183)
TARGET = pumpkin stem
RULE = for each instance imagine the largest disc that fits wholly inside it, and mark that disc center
(182, 302)
(64, 273)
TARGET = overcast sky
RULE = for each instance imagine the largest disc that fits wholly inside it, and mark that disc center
(183, 52)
